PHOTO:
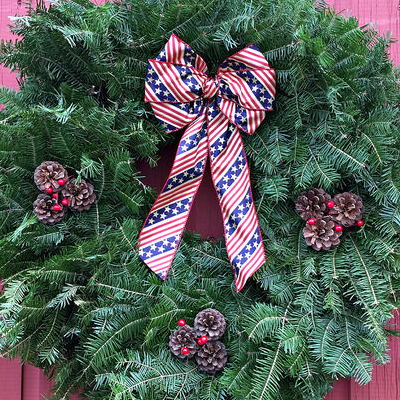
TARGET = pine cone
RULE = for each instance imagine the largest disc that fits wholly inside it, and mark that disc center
(210, 323)
(212, 357)
(322, 235)
(312, 204)
(184, 336)
(80, 197)
(348, 209)
(47, 174)
(43, 208)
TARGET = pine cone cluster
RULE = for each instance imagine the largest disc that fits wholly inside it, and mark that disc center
(62, 193)
(201, 341)
(326, 217)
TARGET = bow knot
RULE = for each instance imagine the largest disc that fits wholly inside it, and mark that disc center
(214, 111)
(210, 87)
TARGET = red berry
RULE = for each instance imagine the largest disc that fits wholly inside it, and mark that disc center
(55, 195)
(61, 182)
(185, 351)
(204, 339)
(329, 213)
(311, 221)
(360, 223)
(338, 228)
(181, 322)
(57, 207)
(330, 204)
(49, 190)
(64, 202)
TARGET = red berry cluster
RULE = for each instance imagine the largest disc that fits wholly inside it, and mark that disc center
(338, 228)
(56, 196)
(202, 340)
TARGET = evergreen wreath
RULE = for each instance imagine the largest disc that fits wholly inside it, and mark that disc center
(77, 300)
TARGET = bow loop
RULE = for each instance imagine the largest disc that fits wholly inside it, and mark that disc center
(244, 86)
(175, 93)
(247, 88)
(173, 83)
(176, 51)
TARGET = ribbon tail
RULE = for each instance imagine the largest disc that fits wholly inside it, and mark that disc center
(231, 177)
(161, 233)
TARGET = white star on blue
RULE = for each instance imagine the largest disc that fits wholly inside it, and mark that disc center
(220, 145)
(183, 177)
(160, 247)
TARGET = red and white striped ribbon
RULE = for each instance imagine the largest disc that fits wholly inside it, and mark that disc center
(215, 110)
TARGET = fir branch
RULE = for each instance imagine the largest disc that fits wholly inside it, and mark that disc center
(220, 260)
(373, 145)
(363, 374)
(346, 155)
(271, 376)
(364, 264)
(118, 289)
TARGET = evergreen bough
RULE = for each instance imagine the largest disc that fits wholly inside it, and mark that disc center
(77, 300)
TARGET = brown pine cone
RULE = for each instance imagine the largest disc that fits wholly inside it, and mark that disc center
(80, 197)
(47, 174)
(348, 209)
(43, 208)
(322, 235)
(184, 336)
(210, 323)
(212, 357)
(312, 204)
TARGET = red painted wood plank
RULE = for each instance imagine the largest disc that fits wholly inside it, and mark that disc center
(10, 380)
(383, 15)
(385, 378)
(341, 391)
(8, 8)
(33, 384)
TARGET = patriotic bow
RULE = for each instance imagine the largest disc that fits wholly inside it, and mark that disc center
(215, 110)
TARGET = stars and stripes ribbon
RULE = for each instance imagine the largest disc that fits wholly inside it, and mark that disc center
(215, 109)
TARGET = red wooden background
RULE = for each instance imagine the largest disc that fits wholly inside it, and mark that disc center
(24, 382)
